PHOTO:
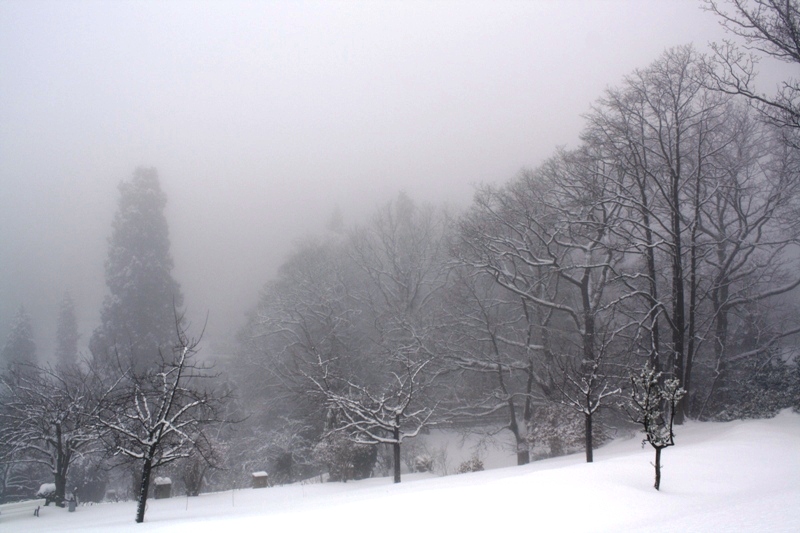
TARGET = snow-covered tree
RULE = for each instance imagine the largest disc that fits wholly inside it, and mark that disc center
(208, 453)
(710, 229)
(159, 415)
(494, 352)
(349, 329)
(49, 417)
(400, 253)
(384, 413)
(20, 346)
(547, 239)
(655, 401)
(344, 458)
(137, 314)
(307, 319)
(67, 332)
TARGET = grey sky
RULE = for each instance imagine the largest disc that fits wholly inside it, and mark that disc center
(263, 116)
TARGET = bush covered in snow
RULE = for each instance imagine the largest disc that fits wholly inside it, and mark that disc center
(48, 492)
(471, 465)
(89, 478)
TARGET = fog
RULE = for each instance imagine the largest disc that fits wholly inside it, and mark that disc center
(262, 118)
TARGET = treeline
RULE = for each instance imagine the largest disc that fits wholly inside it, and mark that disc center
(666, 241)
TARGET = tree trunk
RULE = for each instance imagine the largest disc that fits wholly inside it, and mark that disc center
(61, 484)
(523, 457)
(588, 431)
(686, 406)
(143, 488)
(60, 471)
(527, 416)
(588, 361)
(396, 447)
(658, 468)
(678, 289)
(652, 296)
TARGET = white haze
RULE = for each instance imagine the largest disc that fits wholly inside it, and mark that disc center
(263, 117)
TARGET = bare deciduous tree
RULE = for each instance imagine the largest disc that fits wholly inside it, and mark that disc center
(492, 355)
(547, 239)
(49, 416)
(159, 415)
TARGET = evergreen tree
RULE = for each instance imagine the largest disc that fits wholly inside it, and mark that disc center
(137, 318)
(19, 346)
(67, 332)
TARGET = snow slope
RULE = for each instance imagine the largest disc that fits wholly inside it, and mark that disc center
(720, 477)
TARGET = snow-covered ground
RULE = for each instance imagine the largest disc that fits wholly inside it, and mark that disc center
(720, 477)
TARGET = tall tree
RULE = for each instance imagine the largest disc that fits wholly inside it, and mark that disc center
(347, 331)
(401, 254)
(137, 317)
(20, 346)
(67, 332)
(490, 344)
(659, 132)
(306, 324)
(546, 238)
(708, 194)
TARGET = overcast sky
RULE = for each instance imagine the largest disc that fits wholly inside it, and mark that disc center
(262, 117)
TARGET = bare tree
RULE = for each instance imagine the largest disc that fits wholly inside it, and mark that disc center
(751, 231)
(547, 239)
(709, 191)
(388, 414)
(49, 417)
(492, 355)
(346, 334)
(160, 415)
(401, 255)
(307, 320)
(659, 133)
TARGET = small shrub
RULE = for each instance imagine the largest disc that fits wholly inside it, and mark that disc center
(423, 463)
(48, 492)
(472, 465)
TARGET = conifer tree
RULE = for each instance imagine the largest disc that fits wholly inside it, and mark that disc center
(20, 346)
(67, 332)
(138, 314)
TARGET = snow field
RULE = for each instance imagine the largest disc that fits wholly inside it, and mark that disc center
(739, 476)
